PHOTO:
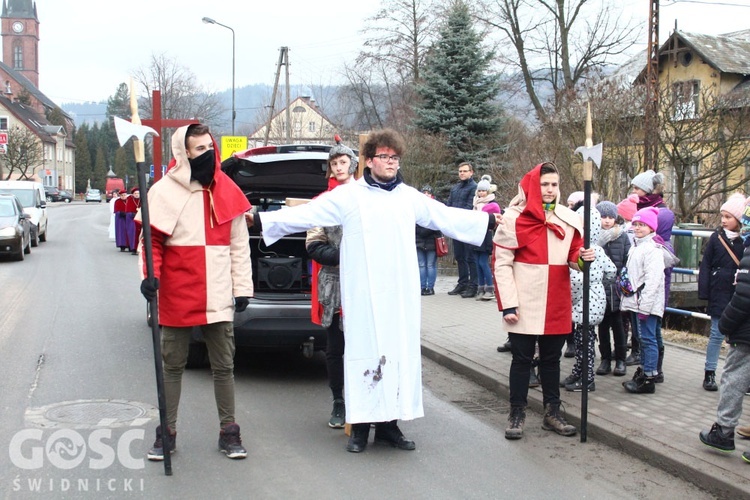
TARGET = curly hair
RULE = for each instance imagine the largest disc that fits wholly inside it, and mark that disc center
(385, 138)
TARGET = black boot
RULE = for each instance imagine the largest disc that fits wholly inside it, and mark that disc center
(570, 350)
(634, 358)
(469, 292)
(389, 433)
(605, 367)
(709, 381)
(459, 288)
(640, 384)
(505, 347)
(660, 374)
(358, 439)
(620, 368)
(533, 377)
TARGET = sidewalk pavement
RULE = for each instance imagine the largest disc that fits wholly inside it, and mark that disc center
(661, 429)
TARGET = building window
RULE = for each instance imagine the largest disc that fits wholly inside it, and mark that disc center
(17, 57)
(686, 97)
(3, 123)
(311, 127)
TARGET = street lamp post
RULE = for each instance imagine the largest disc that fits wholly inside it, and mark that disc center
(208, 20)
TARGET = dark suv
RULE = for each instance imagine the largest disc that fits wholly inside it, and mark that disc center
(278, 317)
(54, 194)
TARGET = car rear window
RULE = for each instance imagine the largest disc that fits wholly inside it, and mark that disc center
(25, 196)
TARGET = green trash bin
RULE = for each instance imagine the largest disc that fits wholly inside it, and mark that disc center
(688, 248)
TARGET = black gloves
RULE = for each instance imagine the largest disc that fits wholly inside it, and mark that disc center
(240, 303)
(148, 289)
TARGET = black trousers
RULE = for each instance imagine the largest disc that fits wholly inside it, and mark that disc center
(335, 358)
(522, 347)
(466, 262)
(613, 320)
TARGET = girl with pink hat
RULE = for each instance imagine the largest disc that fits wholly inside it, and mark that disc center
(718, 266)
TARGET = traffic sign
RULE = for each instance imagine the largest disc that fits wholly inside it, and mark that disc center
(3, 137)
(232, 144)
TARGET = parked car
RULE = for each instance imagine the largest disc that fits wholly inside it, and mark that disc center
(34, 201)
(66, 196)
(278, 317)
(93, 195)
(55, 194)
(15, 227)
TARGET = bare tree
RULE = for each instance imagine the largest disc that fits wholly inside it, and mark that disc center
(181, 96)
(24, 153)
(555, 44)
(704, 141)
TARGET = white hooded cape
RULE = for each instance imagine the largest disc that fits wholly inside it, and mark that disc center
(379, 286)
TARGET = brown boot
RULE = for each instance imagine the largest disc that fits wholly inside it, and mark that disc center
(554, 421)
(743, 431)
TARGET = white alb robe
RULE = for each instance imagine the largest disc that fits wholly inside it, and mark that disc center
(379, 286)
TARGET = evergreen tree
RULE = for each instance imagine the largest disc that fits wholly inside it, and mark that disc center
(458, 90)
(83, 157)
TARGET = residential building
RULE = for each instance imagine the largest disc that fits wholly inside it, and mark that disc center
(308, 125)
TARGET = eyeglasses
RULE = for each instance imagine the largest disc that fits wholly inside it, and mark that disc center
(385, 157)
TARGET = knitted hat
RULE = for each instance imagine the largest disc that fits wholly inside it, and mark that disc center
(426, 188)
(627, 207)
(647, 216)
(492, 208)
(575, 197)
(339, 150)
(607, 209)
(735, 205)
(484, 184)
(647, 180)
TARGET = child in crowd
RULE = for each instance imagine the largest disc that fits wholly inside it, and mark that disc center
(484, 200)
(601, 271)
(718, 267)
(735, 324)
(616, 245)
(646, 264)
(626, 209)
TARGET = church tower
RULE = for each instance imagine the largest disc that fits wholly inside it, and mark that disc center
(19, 27)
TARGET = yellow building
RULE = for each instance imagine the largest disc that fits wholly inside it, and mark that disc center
(308, 125)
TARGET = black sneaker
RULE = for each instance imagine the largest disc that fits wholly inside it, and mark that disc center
(338, 415)
(577, 386)
(746, 456)
(156, 453)
(568, 380)
(716, 439)
(230, 442)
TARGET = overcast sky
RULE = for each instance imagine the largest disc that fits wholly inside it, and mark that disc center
(88, 47)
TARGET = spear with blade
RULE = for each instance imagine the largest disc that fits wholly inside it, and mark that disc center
(125, 131)
(592, 155)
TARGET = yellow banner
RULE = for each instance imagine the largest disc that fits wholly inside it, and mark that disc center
(232, 144)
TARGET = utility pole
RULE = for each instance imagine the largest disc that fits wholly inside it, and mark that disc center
(288, 111)
(651, 113)
(283, 60)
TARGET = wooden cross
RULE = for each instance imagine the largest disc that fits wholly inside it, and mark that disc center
(159, 124)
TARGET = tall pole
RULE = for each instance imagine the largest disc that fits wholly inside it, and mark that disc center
(208, 20)
(588, 174)
(651, 113)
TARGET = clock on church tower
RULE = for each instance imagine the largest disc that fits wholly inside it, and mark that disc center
(19, 29)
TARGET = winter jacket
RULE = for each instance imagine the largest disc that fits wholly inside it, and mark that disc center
(601, 272)
(323, 246)
(462, 194)
(735, 320)
(425, 238)
(201, 248)
(616, 245)
(646, 263)
(717, 271)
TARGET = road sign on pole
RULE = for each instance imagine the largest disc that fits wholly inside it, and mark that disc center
(232, 144)
(3, 137)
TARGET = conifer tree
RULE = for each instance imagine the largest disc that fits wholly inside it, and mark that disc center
(458, 90)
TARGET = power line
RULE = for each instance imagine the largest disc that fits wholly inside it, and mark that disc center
(705, 3)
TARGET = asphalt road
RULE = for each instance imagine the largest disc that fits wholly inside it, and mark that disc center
(78, 397)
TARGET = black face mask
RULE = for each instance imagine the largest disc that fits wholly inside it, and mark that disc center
(202, 167)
